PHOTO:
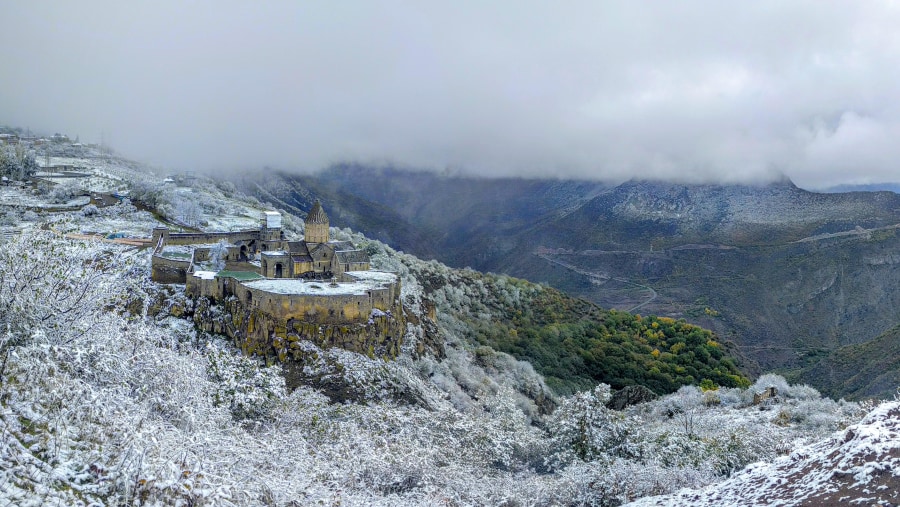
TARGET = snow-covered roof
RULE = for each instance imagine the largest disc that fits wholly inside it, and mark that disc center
(363, 284)
(373, 276)
(205, 275)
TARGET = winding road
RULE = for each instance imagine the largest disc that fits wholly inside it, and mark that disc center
(599, 278)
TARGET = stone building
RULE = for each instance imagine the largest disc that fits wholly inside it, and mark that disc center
(316, 257)
(277, 292)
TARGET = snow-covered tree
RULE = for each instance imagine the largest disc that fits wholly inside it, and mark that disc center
(582, 427)
(249, 390)
(49, 285)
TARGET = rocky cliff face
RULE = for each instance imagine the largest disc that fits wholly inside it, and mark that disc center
(256, 332)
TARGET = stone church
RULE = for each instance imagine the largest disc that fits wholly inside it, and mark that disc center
(316, 256)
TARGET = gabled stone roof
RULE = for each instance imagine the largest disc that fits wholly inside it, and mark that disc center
(316, 214)
(320, 251)
(298, 248)
(354, 256)
(341, 245)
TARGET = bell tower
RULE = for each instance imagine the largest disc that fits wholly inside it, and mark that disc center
(316, 224)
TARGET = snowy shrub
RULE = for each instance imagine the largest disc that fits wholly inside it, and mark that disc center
(218, 255)
(730, 395)
(49, 284)
(16, 162)
(766, 381)
(621, 481)
(582, 427)
(687, 400)
(153, 195)
(89, 210)
(9, 218)
(249, 390)
(802, 392)
(30, 216)
(64, 192)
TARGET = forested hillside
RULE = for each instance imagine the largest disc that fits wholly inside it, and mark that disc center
(573, 343)
(102, 404)
(110, 396)
(790, 275)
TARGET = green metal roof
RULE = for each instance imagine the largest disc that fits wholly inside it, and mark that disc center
(239, 275)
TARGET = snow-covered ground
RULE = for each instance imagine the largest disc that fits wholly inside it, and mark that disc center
(111, 405)
(856, 466)
(320, 288)
(122, 219)
(16, 196)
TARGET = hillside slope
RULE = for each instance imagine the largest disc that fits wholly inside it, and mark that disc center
(859, 466)
(108, 396)
(788, 275)
(869, 369)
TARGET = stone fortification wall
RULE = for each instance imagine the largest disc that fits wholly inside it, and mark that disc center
(195, 238)
(313, 308)
(274, 325)
(317, 309)
(165, 270)
(256, 331)
(195, 287)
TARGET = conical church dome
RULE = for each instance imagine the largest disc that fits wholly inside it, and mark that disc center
(316, 224)
(317, 214)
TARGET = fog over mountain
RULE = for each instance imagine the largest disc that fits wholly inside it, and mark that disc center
(693, 91)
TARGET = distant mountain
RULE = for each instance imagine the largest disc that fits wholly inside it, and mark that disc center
(860, 370)
(874, 187)
(462, 221)
(787, 274)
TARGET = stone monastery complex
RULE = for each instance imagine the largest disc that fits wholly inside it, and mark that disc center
(279, 292)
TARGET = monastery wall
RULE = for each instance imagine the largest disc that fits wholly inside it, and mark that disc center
(165, 270)
(313, 308)
(194, 238)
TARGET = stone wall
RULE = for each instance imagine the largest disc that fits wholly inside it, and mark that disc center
(319, 309)
(195, 238)
(256, 331)
(165, 270)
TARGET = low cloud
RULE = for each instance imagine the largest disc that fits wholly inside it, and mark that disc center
(692, 91)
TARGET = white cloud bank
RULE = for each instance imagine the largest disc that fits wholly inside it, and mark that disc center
(696, 90)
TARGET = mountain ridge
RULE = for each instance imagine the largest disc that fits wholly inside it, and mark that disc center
(755, 278)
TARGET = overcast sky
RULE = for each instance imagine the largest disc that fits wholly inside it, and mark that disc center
(688, 90)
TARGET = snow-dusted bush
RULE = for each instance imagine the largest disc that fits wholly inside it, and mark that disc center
(218, 255)
(9, 218)
(769, 380)
(16, 162)
(65, 192)
(153, 195)
(248, 389)
(89, 210)
(582, 427)
(49, 284)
